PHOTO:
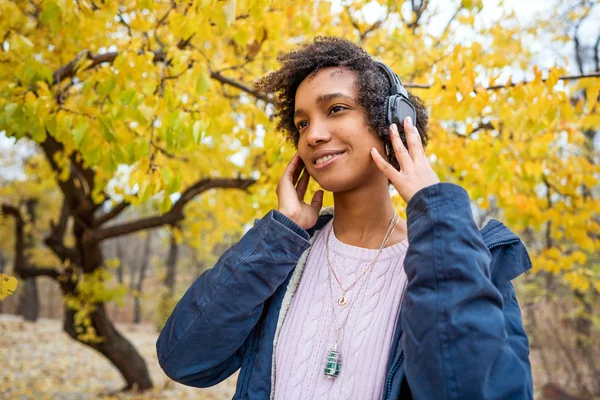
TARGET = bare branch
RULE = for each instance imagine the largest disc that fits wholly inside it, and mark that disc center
(418, 11)
(597, 53)
(376, 25)
(49, 272)
(512, 84)
(578, 49)
(175, 214)
(114, 212)
(352, 20)
(447, 28)
(228, 81)
(483, 126)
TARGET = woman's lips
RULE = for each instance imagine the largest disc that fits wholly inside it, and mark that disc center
(328, 162)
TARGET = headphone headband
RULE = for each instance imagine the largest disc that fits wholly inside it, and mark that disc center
(395, 82)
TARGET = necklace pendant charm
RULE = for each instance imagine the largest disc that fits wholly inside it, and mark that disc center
(342, 301)
(333, 364)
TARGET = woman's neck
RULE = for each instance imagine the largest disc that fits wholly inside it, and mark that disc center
(363, 216)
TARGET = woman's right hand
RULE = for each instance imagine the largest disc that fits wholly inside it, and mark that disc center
(290, 192)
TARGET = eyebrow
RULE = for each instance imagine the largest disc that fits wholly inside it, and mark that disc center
(325, 98)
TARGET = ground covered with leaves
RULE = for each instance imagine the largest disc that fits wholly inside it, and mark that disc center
(40, 361)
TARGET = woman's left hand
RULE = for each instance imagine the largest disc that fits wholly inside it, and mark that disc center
(415, 172)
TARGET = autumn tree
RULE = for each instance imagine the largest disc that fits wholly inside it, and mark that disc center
(165, 88)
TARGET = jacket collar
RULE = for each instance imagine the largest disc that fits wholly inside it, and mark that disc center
(493, 233)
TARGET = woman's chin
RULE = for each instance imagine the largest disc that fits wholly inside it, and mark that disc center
(330, 184)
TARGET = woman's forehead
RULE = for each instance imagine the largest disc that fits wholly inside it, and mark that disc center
(327, 81)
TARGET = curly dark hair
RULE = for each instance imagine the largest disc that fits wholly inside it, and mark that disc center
(372, 85)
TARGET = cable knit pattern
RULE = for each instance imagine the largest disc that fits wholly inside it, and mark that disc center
(307, 332)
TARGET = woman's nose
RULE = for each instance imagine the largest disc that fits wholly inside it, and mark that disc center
(317, 134)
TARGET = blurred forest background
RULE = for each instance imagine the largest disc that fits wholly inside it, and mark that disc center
(134, 150)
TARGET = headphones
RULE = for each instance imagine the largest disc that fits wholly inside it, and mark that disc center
(397, 106)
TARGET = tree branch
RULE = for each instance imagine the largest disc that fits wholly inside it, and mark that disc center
(418, 10)
(112, 213)
(597, 53)
(512, 84)
(441, 37)
(175, 214)
(73, 195)
(55, 240)
(228, 81)
(71, 69)
(578, 49)
(21, 268)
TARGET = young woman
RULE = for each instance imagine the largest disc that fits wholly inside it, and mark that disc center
(355, 302)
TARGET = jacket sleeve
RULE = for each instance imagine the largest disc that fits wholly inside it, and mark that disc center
(456, 341)
(202, 342)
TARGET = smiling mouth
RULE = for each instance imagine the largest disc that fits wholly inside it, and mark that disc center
(327, 160)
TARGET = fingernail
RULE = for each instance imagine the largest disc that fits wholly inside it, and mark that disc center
(409, 120)
(374, 150)
(394, 128)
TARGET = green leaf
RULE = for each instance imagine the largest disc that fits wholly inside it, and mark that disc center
(38, 134)
(165, 205)
(9, 110)
(106, 129)
(203, 83)
(197, 132)
(144, 192)
(106, 86)
(127, 96)
(167, 175)
(120, 155)
(79, 133)
(50, 15)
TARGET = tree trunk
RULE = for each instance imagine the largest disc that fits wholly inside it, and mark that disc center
(171, 266)
(29, 302)
(51, 300)
(2, 268)
(120, 277)
(121, 258)
(137, 310)
(115, 347)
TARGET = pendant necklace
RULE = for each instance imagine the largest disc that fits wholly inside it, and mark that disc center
(333, 363)
(343, 300)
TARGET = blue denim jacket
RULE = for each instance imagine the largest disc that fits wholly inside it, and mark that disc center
(460, 334)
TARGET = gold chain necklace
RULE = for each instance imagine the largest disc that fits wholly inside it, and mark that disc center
(333, 363)
(342, 300)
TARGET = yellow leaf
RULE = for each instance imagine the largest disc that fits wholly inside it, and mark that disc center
(8, 285)
(592, 97)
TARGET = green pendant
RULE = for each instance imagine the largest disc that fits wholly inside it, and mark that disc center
(333, 363)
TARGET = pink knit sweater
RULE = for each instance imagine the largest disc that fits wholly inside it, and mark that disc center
(307, 333)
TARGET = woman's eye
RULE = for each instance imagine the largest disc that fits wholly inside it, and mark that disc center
(335, 109)
(301, 124)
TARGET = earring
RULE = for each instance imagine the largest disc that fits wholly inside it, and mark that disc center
(387, 150)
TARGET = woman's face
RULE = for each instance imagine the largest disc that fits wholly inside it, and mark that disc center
(334, 141)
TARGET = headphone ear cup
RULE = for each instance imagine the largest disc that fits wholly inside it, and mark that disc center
(389, 110)
(399, 107)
